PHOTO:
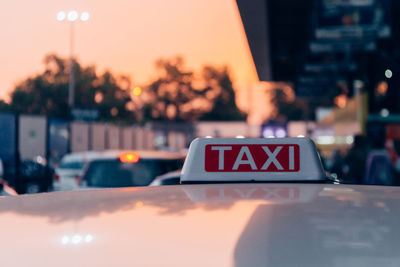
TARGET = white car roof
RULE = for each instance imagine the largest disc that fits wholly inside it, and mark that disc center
(204, 225)
(109, 154)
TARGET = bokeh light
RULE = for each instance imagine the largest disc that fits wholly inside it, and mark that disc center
(72, 15)
(61, 16)
(137, 91)
(85, 16)
(388, 73)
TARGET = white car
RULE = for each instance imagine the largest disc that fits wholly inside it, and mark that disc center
(242, 202)
(70, 170)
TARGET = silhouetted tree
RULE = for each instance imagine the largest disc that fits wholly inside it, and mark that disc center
(47, 92)
(172, 94)
(220, 92)
(177, 94)
(287, 108)
(4, 107)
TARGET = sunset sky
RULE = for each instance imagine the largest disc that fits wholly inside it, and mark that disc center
(126, 37)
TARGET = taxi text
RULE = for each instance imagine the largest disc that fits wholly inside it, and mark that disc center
(252, 158)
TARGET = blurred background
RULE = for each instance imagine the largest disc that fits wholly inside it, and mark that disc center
(81, 76)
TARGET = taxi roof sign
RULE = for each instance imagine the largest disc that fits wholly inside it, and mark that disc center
(252, 159)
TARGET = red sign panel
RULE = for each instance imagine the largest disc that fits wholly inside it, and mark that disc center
(252, 158)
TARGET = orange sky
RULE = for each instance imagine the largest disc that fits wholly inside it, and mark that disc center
(127, 36)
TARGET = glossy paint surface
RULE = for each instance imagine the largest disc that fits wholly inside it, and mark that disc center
(204, 225)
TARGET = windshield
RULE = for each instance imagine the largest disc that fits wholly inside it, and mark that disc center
(113, 173)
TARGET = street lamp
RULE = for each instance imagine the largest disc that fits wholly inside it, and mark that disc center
(71, 17)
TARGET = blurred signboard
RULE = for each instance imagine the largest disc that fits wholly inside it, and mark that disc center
(7, 136)
(322, 112)
(333, 67)
(58, 142)
(32, 136)
(113, 137)
(149, 137)
(312, 85)
(138, 137)
(8, 139)
(317, 47)
(352, 19)
(176, 140)
(98, 136)
(85, 114)
(79, 137)
(127, 138)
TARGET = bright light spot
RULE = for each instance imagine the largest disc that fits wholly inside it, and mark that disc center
(325, 140)
(271, 136)
(341, 100)
(114, 111)
(382, 88)
(137, 91)
(85, 16)
(88, 238)
(280, 133)
(76, 239)
(129, 158)
(72, 15)
(239, 136)
(358, 84)
(139, 204)
(130, 106)
(388, 73)
(61, 16)
(384, 112)
(300, 135)
(208, 136)
(39, 160)
(268, 132)
(328, 189)
(349, 139)
(98, 97)
(65, 240)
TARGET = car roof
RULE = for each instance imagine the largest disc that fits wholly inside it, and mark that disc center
(202, 225)
(115, 154)
(79, 156)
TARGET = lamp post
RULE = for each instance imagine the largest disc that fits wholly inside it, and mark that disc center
(71, 17)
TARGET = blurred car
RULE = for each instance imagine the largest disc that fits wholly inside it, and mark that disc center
(35, 176)
(129, 168)
(171, 178)
(70, 169)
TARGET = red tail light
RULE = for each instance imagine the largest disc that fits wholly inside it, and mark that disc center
(78, 179)
(56, 177)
